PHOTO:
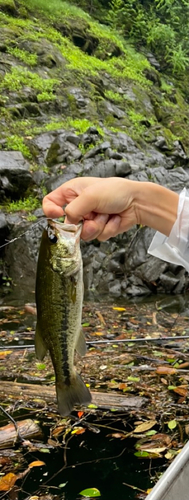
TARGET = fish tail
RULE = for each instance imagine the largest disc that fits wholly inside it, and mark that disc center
(69, 395)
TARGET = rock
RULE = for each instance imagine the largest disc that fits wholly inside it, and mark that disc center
(169, 281)
(97, 150)
(151, 269)
(15, 177)
(122, 168)
(70, 172)
(104, 168)
(113, 110)
(62, 150)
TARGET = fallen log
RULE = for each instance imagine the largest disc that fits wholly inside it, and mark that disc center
(28, 429)
(46, 393)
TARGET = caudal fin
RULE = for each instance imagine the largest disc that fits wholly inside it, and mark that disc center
(70, 395)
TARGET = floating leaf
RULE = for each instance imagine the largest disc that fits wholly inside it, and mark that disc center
(80, 414)
(92, 406)
(172, 424)
(166, 370)
(122, 386)
(151, 433)
(145, 426)
(62, 485)
(78, 430)
(156, 451)
(120, 309)
(181, 390)
(40, 366)
(141, 454)
(90, 493)
(36, 463)
(3, 354)
(44, 450)
(7, 482)
(133, 379)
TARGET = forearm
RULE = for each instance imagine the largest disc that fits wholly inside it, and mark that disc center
(155, 206)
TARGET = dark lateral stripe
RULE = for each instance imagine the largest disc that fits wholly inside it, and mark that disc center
(64, 346)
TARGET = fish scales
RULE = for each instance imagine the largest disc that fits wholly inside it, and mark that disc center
(59, 294)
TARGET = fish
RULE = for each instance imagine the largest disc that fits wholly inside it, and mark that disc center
(59, 301)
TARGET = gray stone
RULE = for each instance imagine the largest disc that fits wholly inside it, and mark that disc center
(122, 168)
(3, 222)
(70, 172)
(99, 168)
(15, 177)
(97, 150)
(169, 281)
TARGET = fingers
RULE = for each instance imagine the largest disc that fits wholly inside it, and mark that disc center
(53, 202)
(101, 227)
(93, 228)
(112, 228)
(65, 194)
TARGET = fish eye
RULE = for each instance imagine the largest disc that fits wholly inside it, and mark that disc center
(52, 237)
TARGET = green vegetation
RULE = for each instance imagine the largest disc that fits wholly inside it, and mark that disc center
(161, 25)
(81, 125)
(19, 76)
(23, 55)
(27, 204)
(113, 96)
(16, 143)
(44, 101)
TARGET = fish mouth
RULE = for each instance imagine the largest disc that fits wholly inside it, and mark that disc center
(66, 230)
(62, 226)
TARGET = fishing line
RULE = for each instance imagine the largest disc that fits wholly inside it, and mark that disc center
(118, 341)
(22, 234)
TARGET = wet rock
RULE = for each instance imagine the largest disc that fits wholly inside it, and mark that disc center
(169, 281)
(114, 288)
(151, 269)
(174, 179)
(123, 168)
(104, 168)
(113, 110)
(69, 172)
(22, 254)
(101, 148)
(15, 177)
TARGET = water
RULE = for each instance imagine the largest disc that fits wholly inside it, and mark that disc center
(93, 461)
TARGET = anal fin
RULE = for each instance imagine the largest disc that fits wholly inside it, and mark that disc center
(81, 344)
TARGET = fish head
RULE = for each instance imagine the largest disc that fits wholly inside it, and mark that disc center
(64, 246)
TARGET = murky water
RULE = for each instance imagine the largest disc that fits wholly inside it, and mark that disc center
(92, 460)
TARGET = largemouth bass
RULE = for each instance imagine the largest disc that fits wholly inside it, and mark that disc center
(59, 299)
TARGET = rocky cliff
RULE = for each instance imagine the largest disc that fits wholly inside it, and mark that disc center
(76, 99)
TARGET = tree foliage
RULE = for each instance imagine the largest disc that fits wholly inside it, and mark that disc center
(161, 26)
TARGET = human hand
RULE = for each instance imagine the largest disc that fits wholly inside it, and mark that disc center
(105, 205)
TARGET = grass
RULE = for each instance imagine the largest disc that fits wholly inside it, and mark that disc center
(27, 204)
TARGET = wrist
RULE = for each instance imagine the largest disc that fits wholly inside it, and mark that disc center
(155, 206)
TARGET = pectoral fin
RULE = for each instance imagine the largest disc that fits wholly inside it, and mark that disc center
(81, 345)
(40, 347)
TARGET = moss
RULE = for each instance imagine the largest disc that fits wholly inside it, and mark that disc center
(81, 125)
(19, 76)
(27, 204)
(23, 55)
(16, 143)
(113, 96)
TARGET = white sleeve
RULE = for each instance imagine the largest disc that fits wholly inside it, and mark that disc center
(175, 247)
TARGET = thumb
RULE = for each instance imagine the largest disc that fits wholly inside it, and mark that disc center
(83, 206)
